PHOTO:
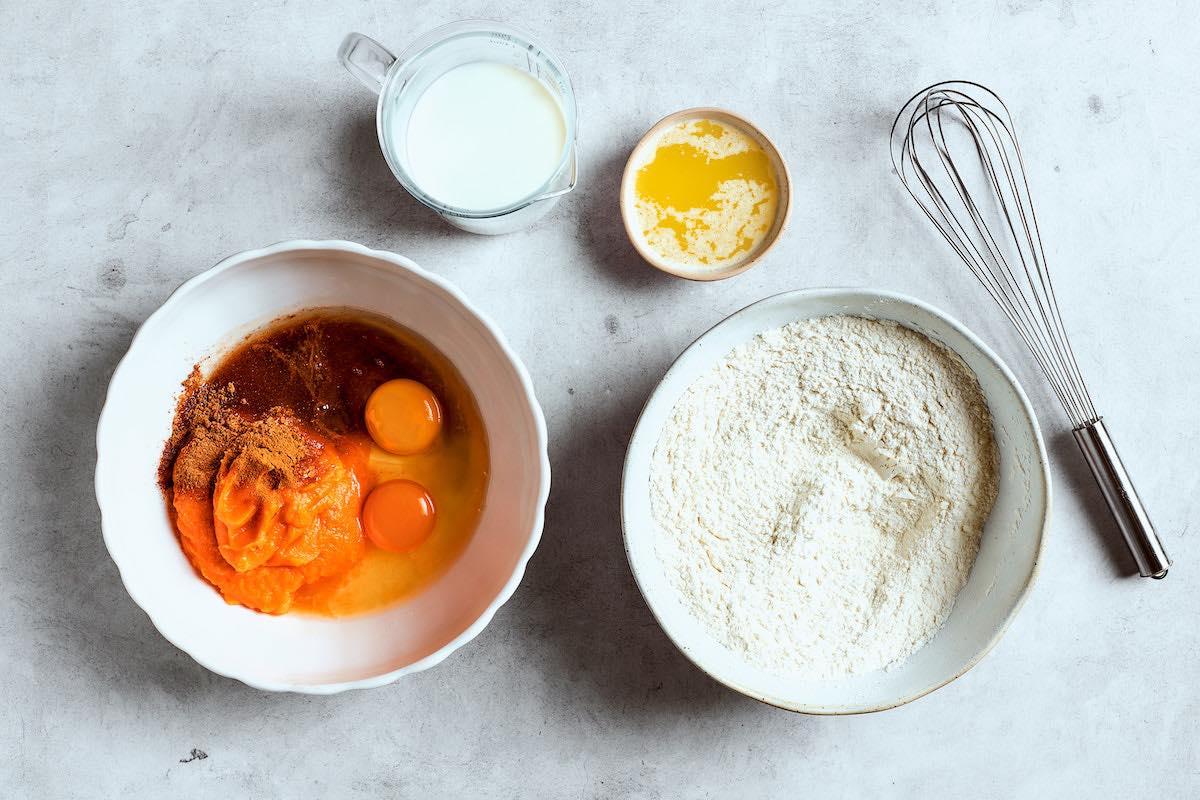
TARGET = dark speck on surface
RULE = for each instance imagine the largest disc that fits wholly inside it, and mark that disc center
(1095, 104)
(112, 275)
(196, 755)
(612, 324)
(571, 390)
(165, 228)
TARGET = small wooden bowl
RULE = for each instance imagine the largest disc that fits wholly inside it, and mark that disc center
(783, 208)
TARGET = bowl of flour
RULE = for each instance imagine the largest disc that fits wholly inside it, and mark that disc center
(835, 500)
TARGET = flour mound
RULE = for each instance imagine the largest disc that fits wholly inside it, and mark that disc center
(820, 494)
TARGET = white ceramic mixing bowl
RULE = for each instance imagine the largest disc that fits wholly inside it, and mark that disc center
(1008, 556)
(296, 652)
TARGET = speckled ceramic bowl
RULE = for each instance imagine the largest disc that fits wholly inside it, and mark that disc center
(1004, 570)
(297, 652)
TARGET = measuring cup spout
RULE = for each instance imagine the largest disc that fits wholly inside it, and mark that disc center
(565, 183)
(366, 59)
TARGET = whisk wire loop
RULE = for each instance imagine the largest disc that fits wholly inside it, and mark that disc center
(992, 225)
(1005, 254)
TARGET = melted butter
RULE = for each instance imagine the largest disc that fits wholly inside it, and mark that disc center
(708, 195)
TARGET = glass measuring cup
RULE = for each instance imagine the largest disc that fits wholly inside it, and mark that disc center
(400, 80)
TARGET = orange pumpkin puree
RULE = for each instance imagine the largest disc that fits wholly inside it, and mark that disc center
(269, 464)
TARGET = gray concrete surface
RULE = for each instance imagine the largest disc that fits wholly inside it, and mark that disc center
(141, 142)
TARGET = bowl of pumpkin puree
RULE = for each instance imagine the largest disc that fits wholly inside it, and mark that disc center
(320, 467)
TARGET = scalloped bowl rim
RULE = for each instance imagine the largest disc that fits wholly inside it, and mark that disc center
(179, 296)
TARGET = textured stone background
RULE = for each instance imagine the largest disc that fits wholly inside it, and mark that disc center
(142, 141)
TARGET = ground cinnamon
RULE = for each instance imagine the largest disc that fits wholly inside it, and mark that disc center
(211, 429)
(272, 452)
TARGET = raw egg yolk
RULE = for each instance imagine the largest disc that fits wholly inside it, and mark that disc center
(403, 416)
(399, 515)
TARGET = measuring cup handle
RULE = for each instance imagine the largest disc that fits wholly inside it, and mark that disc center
(366, 59)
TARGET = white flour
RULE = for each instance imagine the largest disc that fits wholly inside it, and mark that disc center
(820, 494)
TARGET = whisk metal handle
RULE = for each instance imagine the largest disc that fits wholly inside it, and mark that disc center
(1122, 498)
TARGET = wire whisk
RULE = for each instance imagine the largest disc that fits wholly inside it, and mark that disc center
(954, 148)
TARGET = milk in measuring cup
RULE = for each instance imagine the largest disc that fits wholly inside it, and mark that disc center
(484, 136)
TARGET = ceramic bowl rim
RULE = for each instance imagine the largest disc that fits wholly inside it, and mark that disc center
(1043, 472)
(395, 260)
(782, 213)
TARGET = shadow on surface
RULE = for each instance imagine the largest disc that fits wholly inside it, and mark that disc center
(95, 624)
(370, 191)
(1100, 521)
(604, 645)
(602, 230)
